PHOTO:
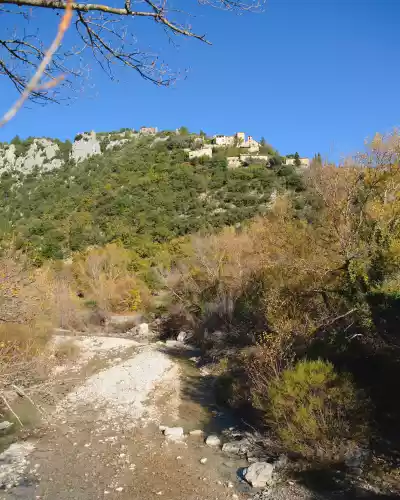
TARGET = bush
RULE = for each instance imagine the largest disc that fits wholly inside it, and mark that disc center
(314, 410)
(104, 276)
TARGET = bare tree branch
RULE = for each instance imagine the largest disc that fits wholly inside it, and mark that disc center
(158, 14)
(35, 80)
(101, 32)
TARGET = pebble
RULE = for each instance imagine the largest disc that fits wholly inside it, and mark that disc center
(122, 455)
(120, 488)
(159, 493)
(106, 492)
(203, 460)
(230, 485)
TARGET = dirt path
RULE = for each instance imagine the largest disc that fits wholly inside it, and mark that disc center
(104, 439)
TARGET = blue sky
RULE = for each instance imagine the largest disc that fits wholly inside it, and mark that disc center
(308, 75)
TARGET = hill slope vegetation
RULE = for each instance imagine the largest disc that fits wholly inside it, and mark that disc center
(144, 193)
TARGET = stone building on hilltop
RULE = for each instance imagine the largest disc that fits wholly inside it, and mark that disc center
(148, 130)
(239, 140)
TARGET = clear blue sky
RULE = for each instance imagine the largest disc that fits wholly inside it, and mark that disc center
(308, 75)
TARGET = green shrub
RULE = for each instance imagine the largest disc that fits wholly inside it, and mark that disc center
(315, 411)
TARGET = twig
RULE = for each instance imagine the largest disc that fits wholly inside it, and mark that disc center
(157, 15)
(34, 81)
(11, 410)
(340, 317)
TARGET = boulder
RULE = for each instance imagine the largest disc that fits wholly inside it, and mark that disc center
(259, 474)
(213, 440)
(174, 433)
(240, 447)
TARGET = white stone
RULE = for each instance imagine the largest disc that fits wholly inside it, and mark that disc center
(196, 432)
(203, 461)
(5, 425)
(174, 433)
(213, 440)
(259, 474)
(143, 329)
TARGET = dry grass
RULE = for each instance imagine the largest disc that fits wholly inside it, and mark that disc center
(104, 277)
(27, 317)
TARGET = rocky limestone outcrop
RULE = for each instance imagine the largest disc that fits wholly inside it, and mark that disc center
(40, 153)
(85, 145)
(46, 154)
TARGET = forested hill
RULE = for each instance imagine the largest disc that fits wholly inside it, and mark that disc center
(142, 193)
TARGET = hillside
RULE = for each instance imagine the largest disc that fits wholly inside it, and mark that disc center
(293, 314)
(139, 190)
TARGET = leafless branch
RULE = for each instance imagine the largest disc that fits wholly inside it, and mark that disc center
(10, 409)
(101, 34)
(35, 80)
(156, 13)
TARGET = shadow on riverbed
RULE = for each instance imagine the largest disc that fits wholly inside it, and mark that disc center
(335, 484)
(200, 405)
(201, 408)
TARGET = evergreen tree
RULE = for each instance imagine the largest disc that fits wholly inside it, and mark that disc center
(183, 131)
(297, 161)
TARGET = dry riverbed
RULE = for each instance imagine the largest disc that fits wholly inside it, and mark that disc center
(102, 439)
